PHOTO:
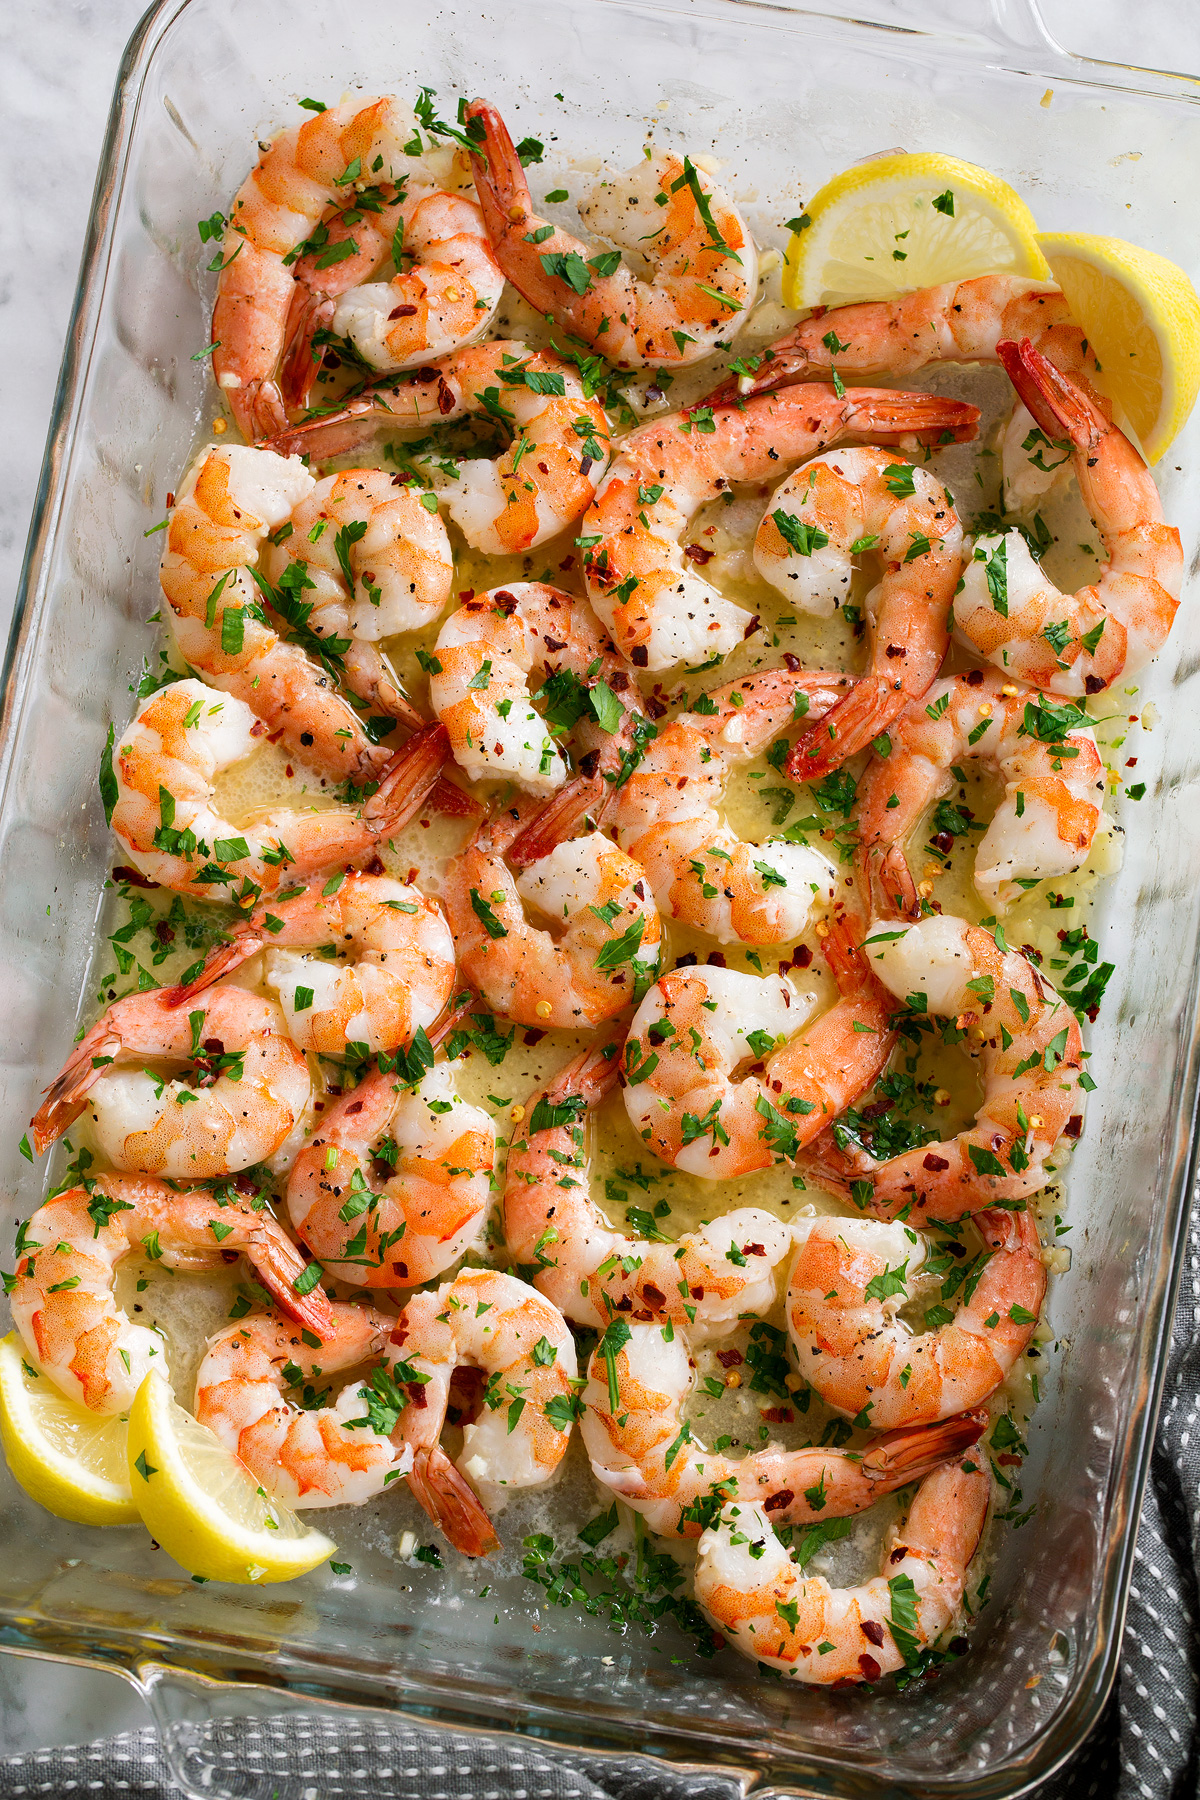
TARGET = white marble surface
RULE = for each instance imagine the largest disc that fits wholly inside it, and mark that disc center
(58, 61)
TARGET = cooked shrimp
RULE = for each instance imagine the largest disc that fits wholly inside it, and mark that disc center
(697, 1027)
(485, 659)
(643, 1449)
(544, 480)
(865, 1361)
(63, 1299)
(602, 952)
(659, 609)
(400, 982)
(845, 502)
(707, 1281)
(168, 758)
(1012, 615)
(489, 1321)
(700, 871)
(447, 299)
(1053, 786)
(306, 1454)
(394, 1186)
(704, 261)
(748, 1586)
(246, 1085)
(958, 322)
(370, 560)
(337, 178)
(1030, 1056)
(229, 500)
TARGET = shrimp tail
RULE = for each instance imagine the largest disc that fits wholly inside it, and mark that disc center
(1059, 407)
(500, 183)
(452, 1503)
(867, 710)
(586, 798)
(371, 677)
(882, 417)
(462, 1005)
(301, 361)
(333, 434)
(914, 1451)
(891, 884)
(244, 944)
(409, 778)
(66, 1095)
(280, 1267)
(593, 1074)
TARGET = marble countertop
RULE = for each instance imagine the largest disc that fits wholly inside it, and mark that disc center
(58, 61)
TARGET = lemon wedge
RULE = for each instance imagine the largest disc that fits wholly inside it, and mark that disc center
(1141, 315)
(203, 1505)
(899, 222)
(69, 1459)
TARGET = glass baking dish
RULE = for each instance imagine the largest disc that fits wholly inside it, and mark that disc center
(787, 96)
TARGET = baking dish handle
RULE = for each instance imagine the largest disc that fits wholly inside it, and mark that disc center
(1004, 25)
(207, 1731)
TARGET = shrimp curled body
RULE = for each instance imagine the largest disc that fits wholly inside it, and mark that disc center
(659, 609)
(748, 1586)
(493, 1322)
(247, 1088)
(865, 1361)
(1053, 781)
(595, 1273)
(400, 981)
(216, 555)
(1030, 1053)
(704, 260)
(63, 1299)
(310, 1455)
(315, 218)
(866, 500)
(696, 1027)
(166, 765)
(394, 1186)
(1011, 614)
(486, 657)
(605, 947)
(644, 1451)
(666, 817)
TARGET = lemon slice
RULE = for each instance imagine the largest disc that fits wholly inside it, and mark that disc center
(1141, 315)
(203, 1505)
(69, 1459)
(899, 222)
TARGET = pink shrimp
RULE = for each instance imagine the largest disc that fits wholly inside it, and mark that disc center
(697, 1027)
(1012, 615)
(246, 1089)
(1053, 786)
(644, 1451)
(63, 1298)
(704, 261)
(401, 982)
(659, 609)
(312, 1450)
(596, 1273)
(1030, 1053)
(752, 1591)
(864, 1360)
(394, 1186)
(493, 1322)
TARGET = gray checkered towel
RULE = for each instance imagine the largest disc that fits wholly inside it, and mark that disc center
(1145, 1747)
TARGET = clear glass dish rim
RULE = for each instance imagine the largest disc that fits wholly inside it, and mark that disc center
(1018, 31)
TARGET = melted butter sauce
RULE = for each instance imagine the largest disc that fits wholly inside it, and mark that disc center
(624, 1173)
